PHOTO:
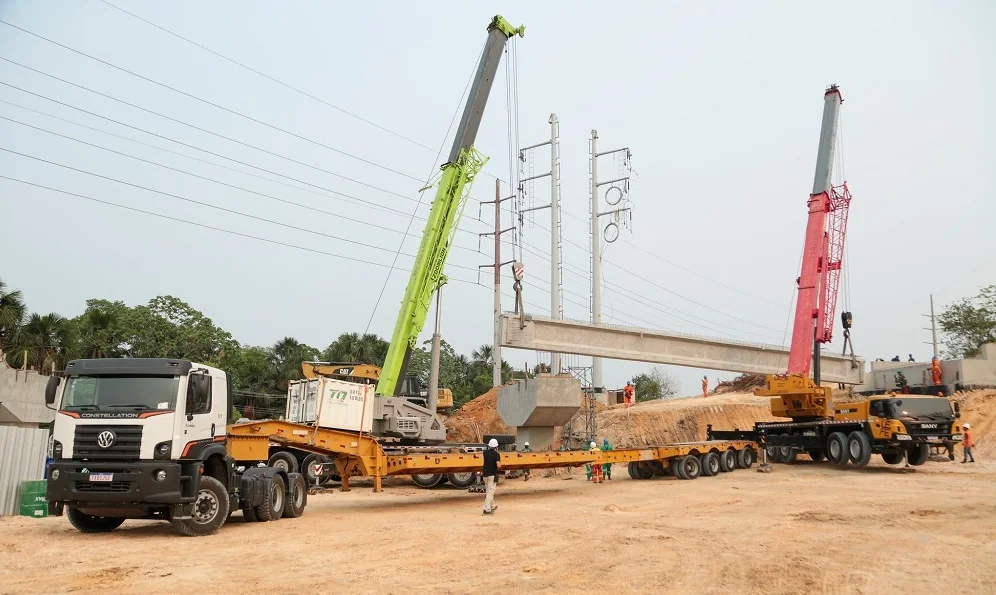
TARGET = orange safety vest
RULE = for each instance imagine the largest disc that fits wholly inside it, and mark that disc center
(967, 440)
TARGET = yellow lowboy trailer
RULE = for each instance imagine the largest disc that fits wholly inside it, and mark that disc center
(358, 455)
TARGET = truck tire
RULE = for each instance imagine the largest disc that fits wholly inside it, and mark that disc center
(678, 468)
(710, 464)
(644, 470)
(630, 468)
(427, 480)
(210, 509)
(786, 454)
(691, 466)
(87, 523)
(837, 449)
(893, 458)
(772, 452)
(297, 497)
(284, 461)
(308, 469)
(816, 454)
(727, 461)
(859, 448)
(918, 455)
(249, 514)
(462, 480)
(745, 458)
(272, 507)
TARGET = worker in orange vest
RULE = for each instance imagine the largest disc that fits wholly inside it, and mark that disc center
(705, 386)
(628, 394)
(935, 371)
(596, 469)
(967, 444)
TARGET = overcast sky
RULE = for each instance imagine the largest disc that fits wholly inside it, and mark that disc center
(720, 103)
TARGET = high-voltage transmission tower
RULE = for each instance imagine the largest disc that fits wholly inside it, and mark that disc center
(527, 205)
(620, 214)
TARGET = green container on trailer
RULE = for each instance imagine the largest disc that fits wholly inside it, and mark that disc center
(33, 501)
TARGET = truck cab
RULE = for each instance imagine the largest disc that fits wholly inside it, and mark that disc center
(905, 419)
(146, 438)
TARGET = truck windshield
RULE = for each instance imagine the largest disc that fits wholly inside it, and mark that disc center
(98, 393)
(929, 408)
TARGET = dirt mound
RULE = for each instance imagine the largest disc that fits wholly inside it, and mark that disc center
(476, 418)
(681, 420)
(743, 383)
(978, 409)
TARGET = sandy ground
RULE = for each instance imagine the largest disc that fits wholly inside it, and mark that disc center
(804, 528)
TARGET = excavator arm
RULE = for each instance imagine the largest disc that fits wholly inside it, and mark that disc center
(458, 174)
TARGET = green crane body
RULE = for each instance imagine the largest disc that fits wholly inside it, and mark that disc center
(457, 178)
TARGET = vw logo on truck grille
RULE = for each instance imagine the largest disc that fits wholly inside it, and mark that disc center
(105, 439)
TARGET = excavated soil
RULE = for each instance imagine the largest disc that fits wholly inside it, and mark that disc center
(475, 419)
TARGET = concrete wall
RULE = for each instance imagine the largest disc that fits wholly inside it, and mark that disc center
(969, 372)
(22, 397)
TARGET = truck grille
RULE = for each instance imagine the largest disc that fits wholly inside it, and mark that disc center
(126, 444)
(103, 486)
(929, 428)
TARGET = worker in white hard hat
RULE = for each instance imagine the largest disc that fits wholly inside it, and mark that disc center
(492, 462)
(967, 444)
(525, 448)
(597, 474)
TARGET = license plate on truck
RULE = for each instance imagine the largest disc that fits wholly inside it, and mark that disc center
(101, 477)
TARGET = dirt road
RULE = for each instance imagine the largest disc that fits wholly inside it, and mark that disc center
(803, 528)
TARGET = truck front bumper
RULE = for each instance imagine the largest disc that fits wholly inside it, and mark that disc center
(900, 439)
(100, 483)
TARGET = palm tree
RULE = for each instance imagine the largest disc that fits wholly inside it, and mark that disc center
(373, 349)
(12, 312)
(97, 333)
(346, 348)
(484, 355)
(48, 341)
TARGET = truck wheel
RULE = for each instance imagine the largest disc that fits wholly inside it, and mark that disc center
(837, 449)
(272, 507)
(427, 480)
(87, 523)
(308, 469)
(816, 454)
(644, 470)
(772, 452)
(710, 464)
(859, 448)
(462, 480)
(745, 458)
(210, 509)
(893, 458)
(297, 497)
(691, 466)
(284, 461)
(727, 461)
(631, 470)
(918, 455)
(786, 454)
(678, 468)
(249, 514)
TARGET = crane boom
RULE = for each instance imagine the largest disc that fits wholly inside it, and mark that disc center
(458, 174)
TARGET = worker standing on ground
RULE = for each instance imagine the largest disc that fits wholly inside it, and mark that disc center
(587, 466)
(705, 386)
(596, 469)
(967, 444)
(525, 448)
(492, 462)
(606, 467)
(935, 371)
(628, 394)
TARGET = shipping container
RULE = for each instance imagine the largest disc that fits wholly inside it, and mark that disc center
(334, 404)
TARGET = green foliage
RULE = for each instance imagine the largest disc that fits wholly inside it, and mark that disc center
(969, 324)
(12, 313)
(658, 384)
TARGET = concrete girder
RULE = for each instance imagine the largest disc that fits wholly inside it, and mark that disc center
(616, 342)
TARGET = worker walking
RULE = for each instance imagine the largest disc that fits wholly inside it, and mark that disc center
(628, 394)
(606, 467)
(492, 462)
(596, 469)
(525, 448)
(967, 444)
(705, 386)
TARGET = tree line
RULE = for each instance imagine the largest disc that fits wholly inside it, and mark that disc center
(168, 327)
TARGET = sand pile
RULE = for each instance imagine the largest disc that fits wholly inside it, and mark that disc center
(475, 419)
(978, 408)
(743, 383)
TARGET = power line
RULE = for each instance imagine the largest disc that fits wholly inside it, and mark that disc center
(211, 103)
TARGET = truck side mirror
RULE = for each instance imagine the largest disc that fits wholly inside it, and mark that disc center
(197, 394)
(957, 408)
(51, 389)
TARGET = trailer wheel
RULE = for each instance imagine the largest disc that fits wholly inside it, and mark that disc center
(816, 454)
(427, 480)
(631, 469)
(745, 458)
(918, 455)
(644, 470)
(727, 461)
(272, 507)
(859, 448)
(462, 480)
(296, 498)
(87, 523)
(284, 461)
(893, 458)
(773, 454)
(710, 464)
(678, 468)
(308, 469)
(210, 509)
(837, 449)
(692, 467)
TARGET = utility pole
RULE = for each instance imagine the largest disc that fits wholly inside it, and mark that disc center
(620, 203)
(933, 327)
(496, 346)
(434, 362)
(525, 190)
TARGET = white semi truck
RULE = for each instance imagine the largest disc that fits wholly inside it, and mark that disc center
(146, 439)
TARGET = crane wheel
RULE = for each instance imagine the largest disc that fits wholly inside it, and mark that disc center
(691, 466)
(772, 452)
(893, 458)
(727, 461)
(837, 449)
(786, 454)
(918, 455)
(678, 468)
(710, 464)
(859, 448)
(745, 458)
(816, 454)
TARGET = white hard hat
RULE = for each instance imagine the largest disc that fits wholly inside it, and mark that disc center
(593, 444)
(492, 443)
(526, 444)
(967, 426)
